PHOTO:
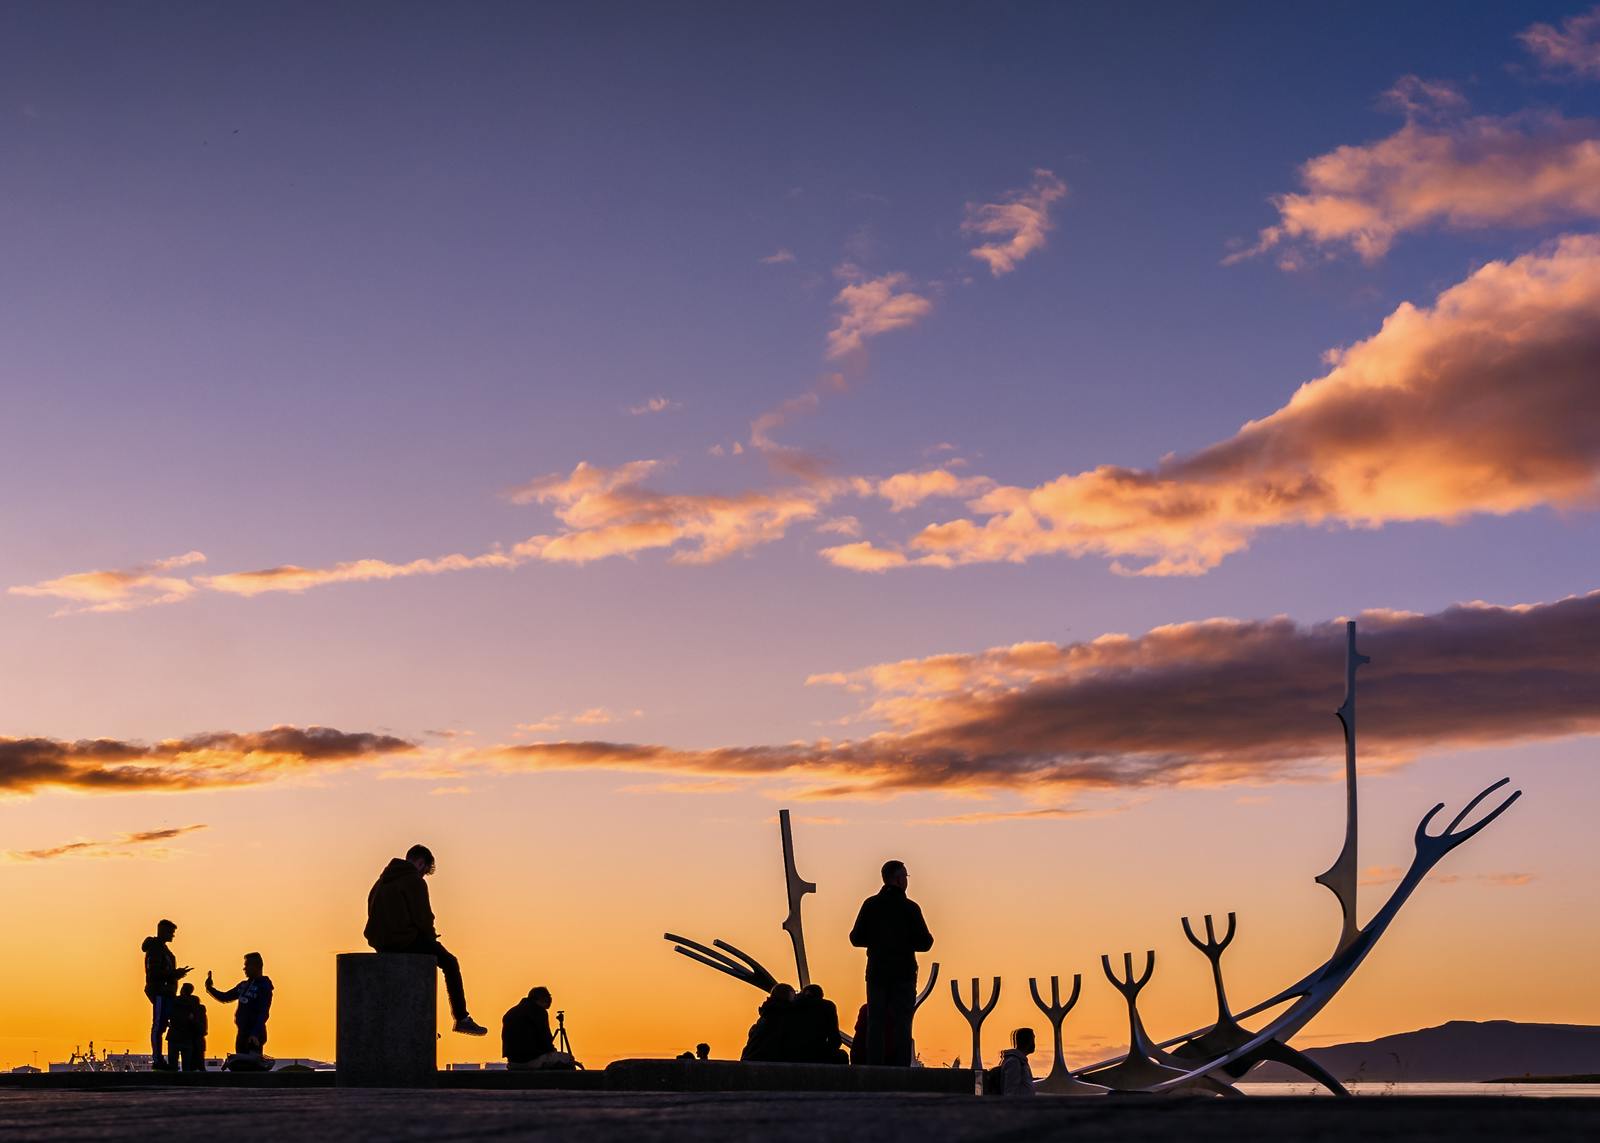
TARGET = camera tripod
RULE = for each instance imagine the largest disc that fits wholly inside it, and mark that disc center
(563, 1044)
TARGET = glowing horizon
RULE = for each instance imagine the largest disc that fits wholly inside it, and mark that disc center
(564, 440)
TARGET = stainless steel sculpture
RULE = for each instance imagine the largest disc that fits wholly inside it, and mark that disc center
(1219, 1053)
(1209, 1058)
(740, 965)
(1061, 1081)
(798, 887)
(976, 1014)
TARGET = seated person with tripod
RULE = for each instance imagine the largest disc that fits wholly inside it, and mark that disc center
(526, 1039)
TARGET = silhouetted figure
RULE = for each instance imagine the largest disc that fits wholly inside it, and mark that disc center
(858, 1038)
(702, 1051)
(526, 1040)
(1016, 1074)
(770, 1036)
(815, 1021)
(254, 994)
(161, 976)
(186, 1031)
(400, 920)
(890, 927)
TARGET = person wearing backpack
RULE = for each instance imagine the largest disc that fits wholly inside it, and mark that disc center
(1013, 1075)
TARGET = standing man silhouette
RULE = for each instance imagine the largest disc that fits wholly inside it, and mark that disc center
(400, 920)
(254, 994)
(161, 976)
(890, 927)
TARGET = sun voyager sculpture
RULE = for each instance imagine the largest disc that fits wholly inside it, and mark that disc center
(1205, 1059)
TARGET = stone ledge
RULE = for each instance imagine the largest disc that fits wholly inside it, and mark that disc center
(734, 1075)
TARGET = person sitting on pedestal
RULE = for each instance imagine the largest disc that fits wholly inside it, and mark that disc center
(400, 920)
(525, 1036)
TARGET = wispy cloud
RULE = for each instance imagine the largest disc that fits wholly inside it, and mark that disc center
(1438, 170)
(779, 256)
(293, 578)
(1042, 814)
(870, 307)
(1389, 874)
(654, 405)
(1572, 49)
(610, 512)
(120, 589)
(144, 843)
(223, 758)
(594, 716)
(1210, 703)
(1483, 403)
(1017, 225)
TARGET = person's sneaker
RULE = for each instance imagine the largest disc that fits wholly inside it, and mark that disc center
(467, 1026)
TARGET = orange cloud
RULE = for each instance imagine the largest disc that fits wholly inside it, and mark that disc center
(1574, 48)
(1019, 223)
(292, 578)
(1515, 171)
(1483, 403)
(869, 307)
(608, 512)
(908, 489)
(223, 758)
(145, 843)
(1209, 703)
(121, 589)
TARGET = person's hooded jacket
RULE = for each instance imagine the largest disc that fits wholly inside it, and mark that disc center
(160, 968)
(1016, 1074)
(398, 914)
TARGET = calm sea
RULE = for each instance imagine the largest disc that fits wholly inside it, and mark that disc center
(1543, 1090)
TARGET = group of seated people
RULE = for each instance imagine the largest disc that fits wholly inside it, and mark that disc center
(796, 1028)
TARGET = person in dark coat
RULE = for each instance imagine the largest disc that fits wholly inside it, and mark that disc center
(525, 1037)
(816, 1025)
(770, 1036)
(400, 920)
(890, 927)
(254, 994)
(186, 1031)
(858, 1038)
(161, 976)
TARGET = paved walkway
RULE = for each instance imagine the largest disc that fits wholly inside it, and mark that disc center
(207, 1114)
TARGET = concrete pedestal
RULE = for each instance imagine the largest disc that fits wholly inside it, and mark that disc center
(388, 1020)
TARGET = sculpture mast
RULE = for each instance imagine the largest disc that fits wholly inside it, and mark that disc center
(797, 887)
(1341, 875)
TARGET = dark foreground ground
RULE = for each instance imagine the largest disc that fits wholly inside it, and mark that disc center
(178, 1116)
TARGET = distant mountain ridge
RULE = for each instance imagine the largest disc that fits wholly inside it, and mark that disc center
(1460, 1051)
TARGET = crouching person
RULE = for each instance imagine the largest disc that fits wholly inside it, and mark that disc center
(254, 996)
(525, 1036)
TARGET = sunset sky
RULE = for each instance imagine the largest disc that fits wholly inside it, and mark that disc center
(566, 434)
